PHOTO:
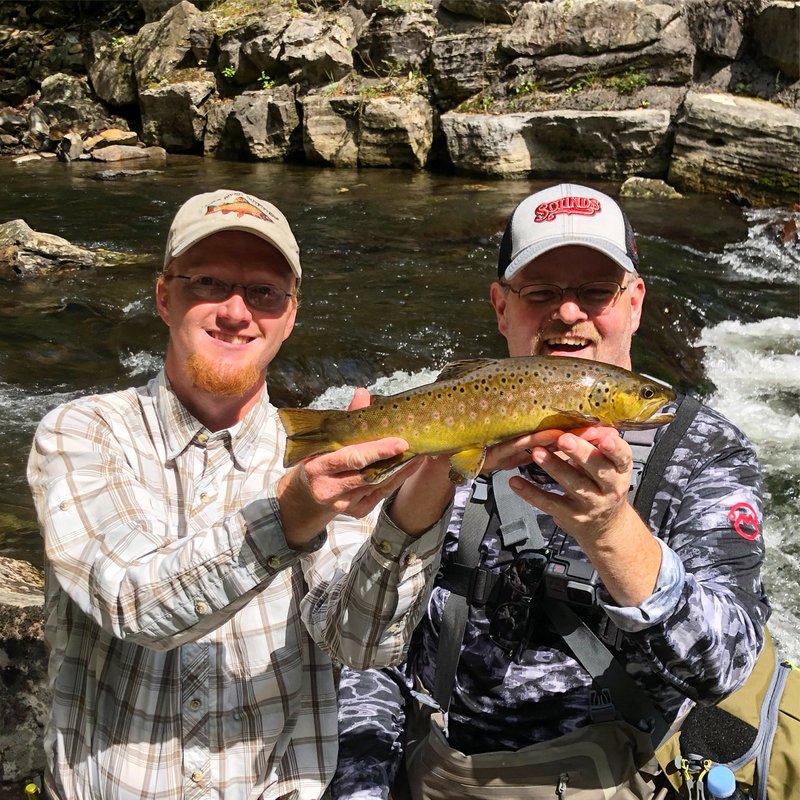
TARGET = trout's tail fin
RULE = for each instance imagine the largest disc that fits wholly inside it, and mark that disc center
(306, 433)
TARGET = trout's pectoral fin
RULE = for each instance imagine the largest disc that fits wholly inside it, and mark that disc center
(571, 419)
(466, 464)
(380, 470)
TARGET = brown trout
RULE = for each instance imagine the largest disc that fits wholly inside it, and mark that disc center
(477, 403)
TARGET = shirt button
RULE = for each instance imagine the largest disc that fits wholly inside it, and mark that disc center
(204, 497)
(385, 547)
(410, 559)
(202, 438)
(195, 704)
(273, 562)
(201, 607)
(197, 776)
(65, 505)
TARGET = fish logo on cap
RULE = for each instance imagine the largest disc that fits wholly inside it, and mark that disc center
(585, 206)
(240, 206)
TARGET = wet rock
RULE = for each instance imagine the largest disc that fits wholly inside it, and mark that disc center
(24, 691)
(26, 253)
(119, 152)
(69, 148)
(121, 174)
(737, 144)
(650, 188)
(109, 137)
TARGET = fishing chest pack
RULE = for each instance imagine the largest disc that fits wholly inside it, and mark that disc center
(755, 731)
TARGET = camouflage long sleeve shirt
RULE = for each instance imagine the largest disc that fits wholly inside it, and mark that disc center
(695, 639)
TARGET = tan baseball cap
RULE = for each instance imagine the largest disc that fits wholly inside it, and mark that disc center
(230, 210)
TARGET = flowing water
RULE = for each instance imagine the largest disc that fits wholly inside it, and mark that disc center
(397, 267)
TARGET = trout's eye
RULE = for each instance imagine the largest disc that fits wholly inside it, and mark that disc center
(647, 392)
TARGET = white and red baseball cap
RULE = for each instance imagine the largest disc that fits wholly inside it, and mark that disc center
(567, 214)
(230, 210)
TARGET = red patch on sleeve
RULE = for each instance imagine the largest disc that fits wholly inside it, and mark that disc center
(744, 520)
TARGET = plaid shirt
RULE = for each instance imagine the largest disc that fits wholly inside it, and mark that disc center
(190, 647)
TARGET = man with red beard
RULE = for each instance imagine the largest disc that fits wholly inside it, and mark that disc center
(551, 571)
(197, 591)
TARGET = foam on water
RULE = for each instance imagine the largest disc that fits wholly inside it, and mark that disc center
(142, 363)
(755, 368)
(340, 396)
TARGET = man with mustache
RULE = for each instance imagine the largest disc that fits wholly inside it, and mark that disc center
(197, 592)
(510, 705)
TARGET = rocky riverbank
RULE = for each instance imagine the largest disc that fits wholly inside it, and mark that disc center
(701, 93)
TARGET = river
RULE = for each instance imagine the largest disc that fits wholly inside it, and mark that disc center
(396, 267)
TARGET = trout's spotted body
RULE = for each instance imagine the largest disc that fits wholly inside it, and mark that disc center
(474, 404)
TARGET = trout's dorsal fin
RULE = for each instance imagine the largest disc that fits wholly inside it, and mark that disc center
(466, 464)
(457, 369)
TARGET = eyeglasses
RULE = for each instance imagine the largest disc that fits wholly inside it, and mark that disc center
(260, 296)
(595, 297)
(510, 623)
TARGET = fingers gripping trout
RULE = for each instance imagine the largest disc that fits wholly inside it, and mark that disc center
(475, 404)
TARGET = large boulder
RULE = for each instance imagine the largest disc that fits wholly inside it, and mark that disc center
(560, 143)
(396, 41)
(248, 52)
(69, 105)
(580, 27)
(261, 125)
(25, 695)
(181, 39)
(734, 144)
(777, 37)
(111, 68)
(174, 117)
(316, 50)
(383, 131)
(26, 253)
(463, 63)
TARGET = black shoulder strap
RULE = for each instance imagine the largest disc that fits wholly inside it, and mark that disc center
(456, 609)
(661, 454)
(594, 656)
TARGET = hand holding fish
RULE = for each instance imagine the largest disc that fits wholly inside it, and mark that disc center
(594, 470)
(336, 483)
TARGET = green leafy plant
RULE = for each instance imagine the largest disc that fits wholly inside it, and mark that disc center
(117, 41)
(265, 82)
(743, 89)
(526, 87)
(229, 72)
(590, 79)
(629, 83)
